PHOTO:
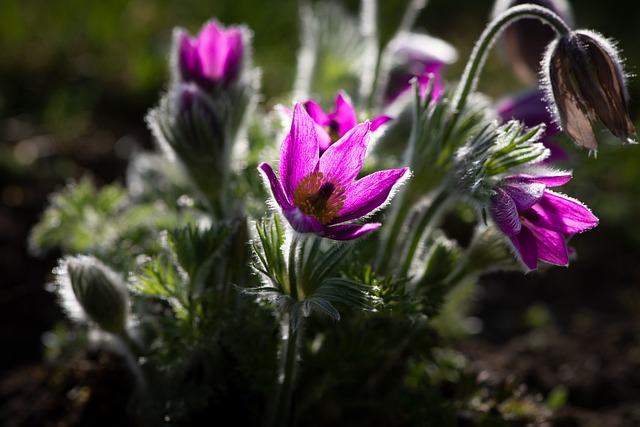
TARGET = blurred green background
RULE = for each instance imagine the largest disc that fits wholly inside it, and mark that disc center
(77, 77)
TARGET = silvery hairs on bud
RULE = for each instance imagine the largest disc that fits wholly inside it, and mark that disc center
(91, 291)
(583, 79)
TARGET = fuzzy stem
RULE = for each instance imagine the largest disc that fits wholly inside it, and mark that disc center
(400, 207)
(293, 282)
(130, 350)
(284, 404)
(282, 410)
(429, 215)
(492, 31)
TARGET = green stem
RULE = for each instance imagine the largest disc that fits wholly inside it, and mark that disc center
(400, 207)
(436, 206)
(282, 415)
(283, 410)
(293, 282)
(492, 31)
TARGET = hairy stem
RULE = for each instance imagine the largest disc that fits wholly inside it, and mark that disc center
(478, 57)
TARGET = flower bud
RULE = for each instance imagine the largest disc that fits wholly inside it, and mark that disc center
(584, 81)
(214, 56)
(90, 290)
(525, 40)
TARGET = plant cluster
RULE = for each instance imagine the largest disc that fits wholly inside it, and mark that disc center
(291, 265)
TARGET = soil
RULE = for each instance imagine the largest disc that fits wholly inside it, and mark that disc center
(575, 328)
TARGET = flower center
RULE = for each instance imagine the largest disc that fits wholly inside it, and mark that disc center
(319, 196)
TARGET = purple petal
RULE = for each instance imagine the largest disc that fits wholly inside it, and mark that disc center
(349, 231)
(212, 50)
(379, 121)
(276, 187)
(367, 194)
(550, 179)
(316, 113)
(527, 246)
(299, 152)
(234, 53)
(343, 160)
(303, 223)
(505, 214)
(552, 246)
(324, 139)
(561, 214)
(344, 115)
(524, 194)
(188, 59)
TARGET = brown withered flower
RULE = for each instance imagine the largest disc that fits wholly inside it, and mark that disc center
(583, 80)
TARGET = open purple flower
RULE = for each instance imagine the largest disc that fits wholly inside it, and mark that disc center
(214, 56)
(320, 194)
(537, 220)
(336, 124)
(530, 108)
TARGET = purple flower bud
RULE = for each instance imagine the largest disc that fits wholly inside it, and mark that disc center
(195, 110)
(214, 56)
(584, 81)
(525, 40)
(421, 56)
(537, 220)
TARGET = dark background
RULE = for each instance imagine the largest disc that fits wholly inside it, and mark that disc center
(77, 77)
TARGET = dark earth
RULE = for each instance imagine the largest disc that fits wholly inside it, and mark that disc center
(574, 327)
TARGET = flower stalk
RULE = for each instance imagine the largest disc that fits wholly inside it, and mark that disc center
(480, 51)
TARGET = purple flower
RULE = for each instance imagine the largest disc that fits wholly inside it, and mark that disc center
(420, 56)
(537, 220)
(214, 56)
(336, 124)
(530, 108)
(319, 194)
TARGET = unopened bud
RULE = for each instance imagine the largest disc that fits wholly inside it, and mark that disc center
(584, 81)
(89, 290)
(214, 56)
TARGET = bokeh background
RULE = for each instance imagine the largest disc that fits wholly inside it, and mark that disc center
(77, 78)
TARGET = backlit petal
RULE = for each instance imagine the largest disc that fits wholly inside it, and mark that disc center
(561, 214)
(379, 121)
(343, 160)
(552, 246)
(299, 152)
(212, 50)
(344, 115)
(526, 245)
(316, 113)
(551, 179)
(349, 231)
(368, 193)
(276, 186)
